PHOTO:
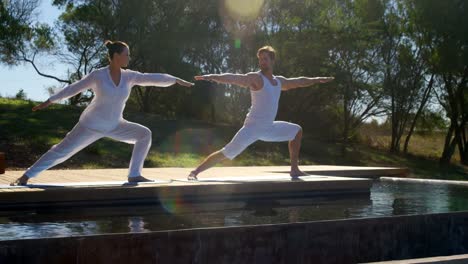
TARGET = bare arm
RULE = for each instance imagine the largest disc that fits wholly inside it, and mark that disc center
(249, 80)
(292, 83)
(157, 79)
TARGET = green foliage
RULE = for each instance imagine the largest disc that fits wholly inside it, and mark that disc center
(14, 28)
(392, 58)
(20, 95)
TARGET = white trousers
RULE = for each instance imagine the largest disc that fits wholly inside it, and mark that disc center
(276, 131)
(81, 136)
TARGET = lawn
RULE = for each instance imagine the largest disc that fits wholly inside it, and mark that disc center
(25, 135)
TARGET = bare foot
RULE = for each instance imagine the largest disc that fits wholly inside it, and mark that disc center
(193, 176)
(139, 179)
(21, 181)
(296, 173)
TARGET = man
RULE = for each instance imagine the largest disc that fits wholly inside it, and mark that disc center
(260, 124)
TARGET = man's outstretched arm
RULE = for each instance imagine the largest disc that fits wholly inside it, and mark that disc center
(292, 83)
(249, 80)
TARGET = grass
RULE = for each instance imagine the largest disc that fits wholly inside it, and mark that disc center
(424, 145)
(26, 135)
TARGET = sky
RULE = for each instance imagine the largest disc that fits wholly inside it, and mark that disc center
(14, 78)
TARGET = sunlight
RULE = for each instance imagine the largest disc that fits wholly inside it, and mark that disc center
(243, 10)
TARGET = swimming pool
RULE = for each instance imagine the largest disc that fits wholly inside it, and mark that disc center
(386, 198)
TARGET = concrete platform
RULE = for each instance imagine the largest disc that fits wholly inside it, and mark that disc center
(102, 175)
(108, 186)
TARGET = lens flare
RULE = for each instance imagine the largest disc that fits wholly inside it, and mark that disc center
(191, 141)
(243, 10)
(237, 43)
(171, 200)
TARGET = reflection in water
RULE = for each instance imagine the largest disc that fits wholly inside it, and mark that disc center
(385, 199)
(136, 224)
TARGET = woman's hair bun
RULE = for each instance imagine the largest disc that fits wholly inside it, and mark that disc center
(115, 47)
(108, 43)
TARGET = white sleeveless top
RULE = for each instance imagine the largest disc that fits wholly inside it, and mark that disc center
(264, 102)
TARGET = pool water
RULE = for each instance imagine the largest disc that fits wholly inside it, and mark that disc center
(385, 199)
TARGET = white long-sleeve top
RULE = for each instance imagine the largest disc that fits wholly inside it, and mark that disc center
(106, 109)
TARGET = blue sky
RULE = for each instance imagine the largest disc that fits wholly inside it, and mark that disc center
(24, 76)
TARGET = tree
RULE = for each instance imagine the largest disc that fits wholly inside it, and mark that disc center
(16, 17)
(20, 95)
(440, 21)
(353, 60)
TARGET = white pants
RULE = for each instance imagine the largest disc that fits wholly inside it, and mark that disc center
(276, 131)
(81, 136)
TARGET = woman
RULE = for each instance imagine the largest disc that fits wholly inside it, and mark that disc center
(103, 117)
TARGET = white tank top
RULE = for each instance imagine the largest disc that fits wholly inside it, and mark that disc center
(264, 101)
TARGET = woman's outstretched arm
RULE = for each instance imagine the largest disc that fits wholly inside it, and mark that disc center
(87, 82)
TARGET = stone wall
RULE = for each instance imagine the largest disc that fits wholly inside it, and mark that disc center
(342, 241)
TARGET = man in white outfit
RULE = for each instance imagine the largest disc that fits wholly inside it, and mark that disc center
(260, 124)
(104, 115)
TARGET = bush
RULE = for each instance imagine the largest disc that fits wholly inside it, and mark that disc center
(20, 95)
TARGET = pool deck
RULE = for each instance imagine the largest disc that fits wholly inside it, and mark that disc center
(108, 186)
(455, 259)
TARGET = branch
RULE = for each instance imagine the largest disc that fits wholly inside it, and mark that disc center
(43, 74)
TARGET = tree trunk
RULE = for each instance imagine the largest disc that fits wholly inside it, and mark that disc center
(464, 156)
(464, 152)
(394, 122)
(449, 147)
(346, 122)
(143, 99)
(457, 127)
(426, 95)
(462, 146)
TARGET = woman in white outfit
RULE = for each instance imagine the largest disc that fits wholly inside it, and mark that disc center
(104, 115)
(260, 124)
